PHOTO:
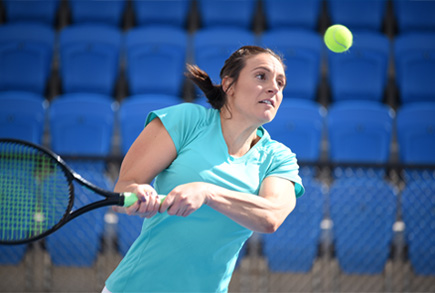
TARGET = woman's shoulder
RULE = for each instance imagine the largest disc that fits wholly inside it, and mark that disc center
(186, 108)
(185, 115)
(194, 113)
(275, 148)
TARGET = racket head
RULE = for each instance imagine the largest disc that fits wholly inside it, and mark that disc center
(36, 192)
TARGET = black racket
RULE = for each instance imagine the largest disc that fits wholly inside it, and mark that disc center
(37, 192)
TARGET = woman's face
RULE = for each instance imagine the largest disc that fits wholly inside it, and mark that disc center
(257, 94)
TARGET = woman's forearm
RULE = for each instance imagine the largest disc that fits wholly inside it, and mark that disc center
(257, 213)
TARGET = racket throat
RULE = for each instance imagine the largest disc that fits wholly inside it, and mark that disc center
(93, 206)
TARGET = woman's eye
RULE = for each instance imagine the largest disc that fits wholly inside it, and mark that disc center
(260, 76)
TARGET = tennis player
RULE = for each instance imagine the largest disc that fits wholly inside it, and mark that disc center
(223, 175)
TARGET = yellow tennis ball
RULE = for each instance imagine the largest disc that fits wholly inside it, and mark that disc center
(338, 38)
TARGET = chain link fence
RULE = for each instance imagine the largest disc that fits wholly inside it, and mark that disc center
(355, 230)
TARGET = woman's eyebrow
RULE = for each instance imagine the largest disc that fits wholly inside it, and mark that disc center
(268, 70)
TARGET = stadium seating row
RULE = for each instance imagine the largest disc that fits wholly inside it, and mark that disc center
(91, 58)
(300, 124)
(409, 15)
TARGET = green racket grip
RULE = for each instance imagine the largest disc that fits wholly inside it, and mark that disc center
(130, 198)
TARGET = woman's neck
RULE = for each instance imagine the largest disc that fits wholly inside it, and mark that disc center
(239, 136)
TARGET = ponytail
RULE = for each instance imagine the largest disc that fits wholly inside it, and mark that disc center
(214, 93)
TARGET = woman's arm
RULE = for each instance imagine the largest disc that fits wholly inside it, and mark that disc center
(263, 213)
(151, 153)
(154, 150)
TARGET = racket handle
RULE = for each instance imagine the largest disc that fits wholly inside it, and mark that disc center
(130, 198)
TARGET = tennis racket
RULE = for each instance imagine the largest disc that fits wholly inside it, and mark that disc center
(37, 192)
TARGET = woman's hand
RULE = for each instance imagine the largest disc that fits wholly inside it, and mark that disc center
(184, 199)
(147, 204)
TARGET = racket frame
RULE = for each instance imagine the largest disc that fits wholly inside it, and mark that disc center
(110, 198)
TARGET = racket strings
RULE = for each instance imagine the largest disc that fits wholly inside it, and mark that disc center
(33, 192)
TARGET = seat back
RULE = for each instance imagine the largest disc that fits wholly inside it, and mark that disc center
(102, 12)
(359, 132)
(26, 53)
(156, 58)
(293, 247)
(418, 209)
(213, 46)
(238, 14)
(89, 58)
(299, 124)
(414, 15)
(22, 116)
(302, 51)
(360, 73)
(358, 14)
(416, 133)
(31, 11)
(414, 56)
(82, 124)
(363, 213)
(156, 12)
(292, 14)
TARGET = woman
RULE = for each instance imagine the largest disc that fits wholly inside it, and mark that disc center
(222, 174)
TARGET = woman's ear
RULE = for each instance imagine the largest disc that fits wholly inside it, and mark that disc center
(227, 84)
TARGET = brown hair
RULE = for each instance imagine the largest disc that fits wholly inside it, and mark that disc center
(215, 94)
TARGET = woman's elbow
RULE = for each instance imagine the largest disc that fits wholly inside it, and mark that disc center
(271, 224)
(270, 227)
(274, 220)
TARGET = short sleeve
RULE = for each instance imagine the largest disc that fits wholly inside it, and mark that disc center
(180, 121)
(284, 165)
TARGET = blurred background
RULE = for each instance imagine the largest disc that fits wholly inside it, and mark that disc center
(79, 77)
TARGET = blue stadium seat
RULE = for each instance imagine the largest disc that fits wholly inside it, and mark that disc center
(358, 14)
(22, 116)
(302, 51)
(214, 45)
(78, 242)
(292, 14)
(238, 14)
(363, 215)
(414, 56)
(12, 254)
(299, 125)
(103, 12)
(156, 57)
(293, 247)
(134, 111)
(81, 124)
(353, 138)
(26, 53)
(361, 72)
(418, 210)
(360, 131)
(89, 58)
(35, 11)
(414, 15)
(156, 12)
(415, 133)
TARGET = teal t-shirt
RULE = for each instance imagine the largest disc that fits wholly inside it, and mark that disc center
(198, 253)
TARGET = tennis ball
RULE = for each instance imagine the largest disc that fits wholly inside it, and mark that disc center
(338, 38)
